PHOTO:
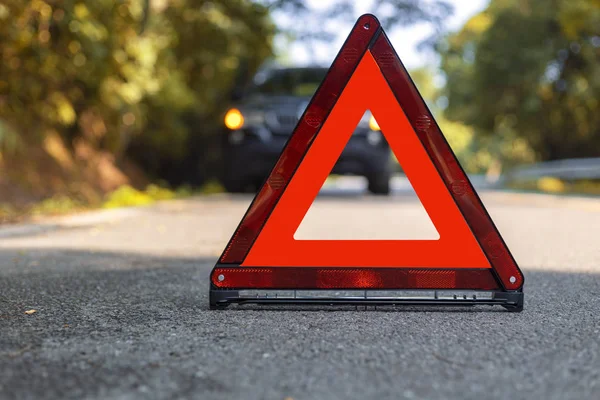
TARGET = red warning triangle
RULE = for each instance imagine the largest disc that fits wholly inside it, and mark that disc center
(367, 89)
(367, 75)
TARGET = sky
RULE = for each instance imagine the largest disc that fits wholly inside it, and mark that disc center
(405, 40)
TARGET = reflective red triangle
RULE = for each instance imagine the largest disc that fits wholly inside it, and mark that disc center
(367, 74)
(367, 89)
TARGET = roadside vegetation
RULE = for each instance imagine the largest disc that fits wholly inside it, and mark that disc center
(124, 196)
(527, 71)
(554, 185)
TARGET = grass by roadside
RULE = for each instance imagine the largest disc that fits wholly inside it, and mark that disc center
(553, 185)
(125, 196)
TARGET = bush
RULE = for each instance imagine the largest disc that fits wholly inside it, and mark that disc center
(55, 206)
(126, 196)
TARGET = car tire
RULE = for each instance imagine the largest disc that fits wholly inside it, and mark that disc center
(379, 185)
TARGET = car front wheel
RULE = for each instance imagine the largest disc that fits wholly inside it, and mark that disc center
(379, 185)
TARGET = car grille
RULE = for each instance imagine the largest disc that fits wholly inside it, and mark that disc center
(287, 121)
(282, 123)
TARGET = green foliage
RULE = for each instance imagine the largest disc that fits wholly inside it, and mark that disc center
(147, 80)
(55, 206)
(209, 42)
(159, 193)
(212, 187)
(529, 69)
(78, 67)
(86, 70)
(127, 196)
(476, 153)
(183, 191)
(9, 139)
(554, 185)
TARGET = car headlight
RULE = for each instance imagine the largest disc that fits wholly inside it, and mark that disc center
(373, 124)
(234, 119)
(368, 122)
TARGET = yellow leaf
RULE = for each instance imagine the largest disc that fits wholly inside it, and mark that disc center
(29, 312)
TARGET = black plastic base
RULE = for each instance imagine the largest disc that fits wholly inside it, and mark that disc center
(512, 301)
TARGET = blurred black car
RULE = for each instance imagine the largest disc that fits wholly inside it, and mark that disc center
(263, 117)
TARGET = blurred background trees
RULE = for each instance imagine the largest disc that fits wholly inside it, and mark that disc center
(94, 94)
(528, 70)
(88, 86)
(118, 81)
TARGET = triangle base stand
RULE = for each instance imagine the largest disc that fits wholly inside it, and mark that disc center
(512, 301)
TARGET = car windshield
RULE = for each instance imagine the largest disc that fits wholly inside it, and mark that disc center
(292, 82)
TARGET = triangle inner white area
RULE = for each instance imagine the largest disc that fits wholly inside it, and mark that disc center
(344, 209)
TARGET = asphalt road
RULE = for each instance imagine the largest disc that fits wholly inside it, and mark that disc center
(122, 311)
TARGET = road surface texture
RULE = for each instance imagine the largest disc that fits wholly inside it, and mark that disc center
(122, 311)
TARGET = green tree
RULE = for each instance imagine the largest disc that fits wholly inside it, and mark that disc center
(79, 68)
(476, 153)
(529, 69)
(210, 43)
(104, 73)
